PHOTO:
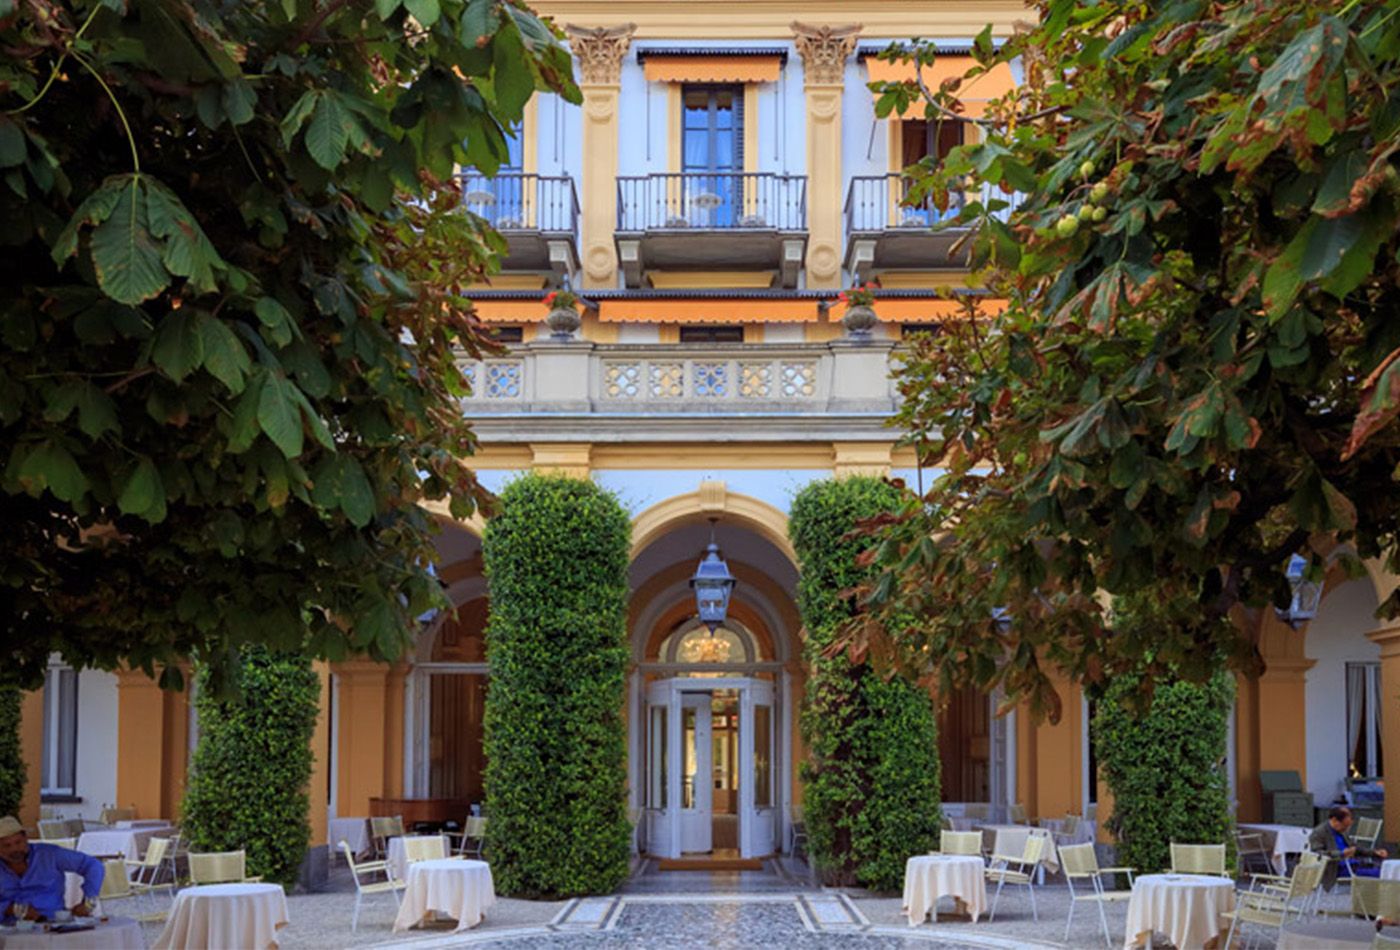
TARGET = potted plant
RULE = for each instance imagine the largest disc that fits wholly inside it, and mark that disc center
(859, 318)
(563, 319)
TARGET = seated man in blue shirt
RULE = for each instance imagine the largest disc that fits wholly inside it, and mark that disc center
(32, 874)
(1333, 838)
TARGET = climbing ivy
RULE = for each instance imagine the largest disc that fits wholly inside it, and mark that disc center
(247, 787)
(12, 768)
(556, 559)
(871, 797)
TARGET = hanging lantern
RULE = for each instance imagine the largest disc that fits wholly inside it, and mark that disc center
(1307, 595)
(713, 585)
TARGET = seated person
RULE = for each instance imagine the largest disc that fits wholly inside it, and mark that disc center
(1331, 838)
(32, 874)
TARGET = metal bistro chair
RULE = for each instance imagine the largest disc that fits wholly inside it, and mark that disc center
(1068, 829)
(1253, 857)
(1018, 814)
(381, 830)
(1272, 904)
(423, 848)
(1374, 898)
(220, 867)
(51, 829)
(960, 842)
(1079, 863)
(368, 868)
(1001, 871)
(473, 837)
(145, 874)
(115, 884)
(1198, 859)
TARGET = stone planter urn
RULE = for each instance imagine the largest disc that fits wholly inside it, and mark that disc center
(859, 320)
(563, 323)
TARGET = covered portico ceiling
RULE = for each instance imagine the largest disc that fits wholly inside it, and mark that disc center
(737, 543)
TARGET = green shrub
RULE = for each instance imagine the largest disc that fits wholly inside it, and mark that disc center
(12, 768)
(1165, 762)
(871, 796)
(556, 561)
(247, 786)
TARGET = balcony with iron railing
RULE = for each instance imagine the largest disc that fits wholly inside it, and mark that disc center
(688, 221)
(885, 230)
(536, 214)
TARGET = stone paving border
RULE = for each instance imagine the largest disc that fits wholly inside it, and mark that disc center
(825, 912)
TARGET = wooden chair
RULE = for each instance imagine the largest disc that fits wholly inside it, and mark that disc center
(1198, 859)
(960, 842)
(1002, 871)
(1272, 905)
(362, 887)
(1080, 863)
(220, 867)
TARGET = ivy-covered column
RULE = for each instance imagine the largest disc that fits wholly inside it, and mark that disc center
(872, 779)
(12, 770)
(555, 739)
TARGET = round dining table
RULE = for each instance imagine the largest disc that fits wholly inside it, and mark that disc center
(1185, 907)
(246, 916)
(927, 877)
(111, 933)
(459, 888)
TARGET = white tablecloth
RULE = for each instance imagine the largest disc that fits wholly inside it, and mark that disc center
(1185, 907)
(129, 843)
(245, 916)
(1390, 870)
(1086, 832)
(1010, 840)
(1326, 935)
(928, 877)
(398, 863)
(456, 887)
(118, 933)
(353, 830)
(1280, 841)
(142, 823)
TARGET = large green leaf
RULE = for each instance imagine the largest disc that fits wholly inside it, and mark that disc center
(224, 355)
(279, 416)
(97, 414)
(51, 466)
(329, 132)
(11, 143)
(179, 346)
(125, 256)
(143, 493)
(187, 251)
(425, 12)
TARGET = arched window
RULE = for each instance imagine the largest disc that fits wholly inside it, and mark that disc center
(692, 644)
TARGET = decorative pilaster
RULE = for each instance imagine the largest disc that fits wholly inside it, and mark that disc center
(152, 745)
(824, 51)
(599, 52)
(1388, 639)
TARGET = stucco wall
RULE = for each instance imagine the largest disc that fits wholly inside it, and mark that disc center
(1334, 638)
(97, 744)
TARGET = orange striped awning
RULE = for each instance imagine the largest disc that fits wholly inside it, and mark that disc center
(974, 93)
(923, 310)
(705, 310)
(510, 311)
(718, 68)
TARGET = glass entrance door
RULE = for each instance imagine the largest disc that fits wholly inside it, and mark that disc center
(680, 765)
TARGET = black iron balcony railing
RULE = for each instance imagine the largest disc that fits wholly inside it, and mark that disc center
(880, 203)
(516, 201)
(712, 200)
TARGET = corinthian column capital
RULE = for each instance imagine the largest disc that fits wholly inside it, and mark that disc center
(600, 50)
(824, 50)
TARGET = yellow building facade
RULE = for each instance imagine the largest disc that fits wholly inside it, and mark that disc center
(724, 178)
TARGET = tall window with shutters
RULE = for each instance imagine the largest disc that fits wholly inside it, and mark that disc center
(712, 152)
(58, 768)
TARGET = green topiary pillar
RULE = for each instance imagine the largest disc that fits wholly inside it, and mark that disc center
(12, 768)
(247, 787)
(871, 797)
(556, 561)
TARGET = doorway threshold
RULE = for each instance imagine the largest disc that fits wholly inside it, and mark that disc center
(721, 859)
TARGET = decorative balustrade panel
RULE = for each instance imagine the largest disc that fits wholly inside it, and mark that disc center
(707, 379)
(712, 200)
(493, 380)
(519, 201)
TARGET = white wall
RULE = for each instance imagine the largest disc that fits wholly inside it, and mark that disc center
(1334, 638)
(97, 744)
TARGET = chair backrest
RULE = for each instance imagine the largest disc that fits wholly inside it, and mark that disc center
(70, 843)
(797, 814)
(217, 867)
(1368, 831)
(1307, 877)
(960, 842)
(1249, 843)
(979, 810)
(356, 869)
(111, 816)
(1018, 814)
(115, 883)
(476, 827)
(1035, 849)
(50, 828)
(1070, 825)
(155, 852)
(1078, 860)
(427, 848)
(1198, 859)
(386, 827)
